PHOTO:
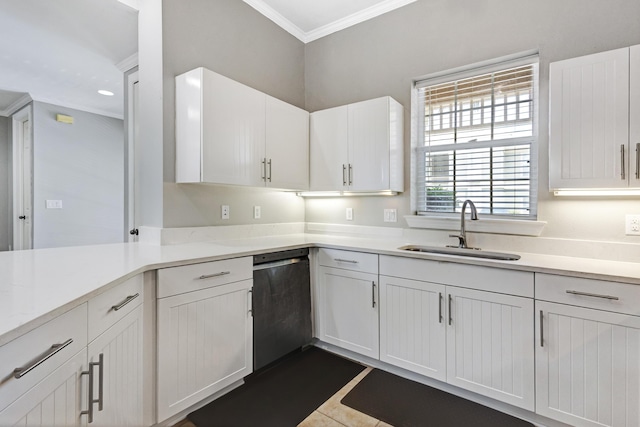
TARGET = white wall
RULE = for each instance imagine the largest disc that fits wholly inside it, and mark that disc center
(82, 165)
(5, 180)
(384, 55)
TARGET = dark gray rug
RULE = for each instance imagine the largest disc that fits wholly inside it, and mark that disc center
(404, 403)
(282, 396)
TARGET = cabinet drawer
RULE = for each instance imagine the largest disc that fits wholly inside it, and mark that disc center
(519, 283)
(109, 307)
(188, 278)
(591, 293)
(34, 350)
(348, 260)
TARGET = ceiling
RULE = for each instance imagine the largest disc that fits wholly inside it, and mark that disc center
(63, 51)
(310, 20)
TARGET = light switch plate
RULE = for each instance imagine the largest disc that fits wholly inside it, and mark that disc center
(349, 214)
(224, 212)
(256, 212)
(54, 204)
(390, 215)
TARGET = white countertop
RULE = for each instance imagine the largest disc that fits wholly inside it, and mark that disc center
(37, 285)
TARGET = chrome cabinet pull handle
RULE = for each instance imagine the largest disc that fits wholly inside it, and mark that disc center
(450, 311)
(55, 348)
(638, 161)
(250, 294)
(373, 294)
(350, 261)
(344, 174)
(125, 302)
(587, 294)
(440, 317)
(209, 276)
(541, 329)
(269, 176)
(623, 174)
(100, 399)
(264, 169)
(350, 174)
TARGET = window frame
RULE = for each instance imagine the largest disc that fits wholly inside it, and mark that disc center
(418, 128)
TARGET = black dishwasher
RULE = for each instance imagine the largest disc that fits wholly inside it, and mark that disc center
(281, 305)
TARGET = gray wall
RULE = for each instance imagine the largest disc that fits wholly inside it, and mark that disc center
(384, 55)
(5, 194)
(82, 165)
(230, 38)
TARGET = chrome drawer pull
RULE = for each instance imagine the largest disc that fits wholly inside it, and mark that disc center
(373, 294)
(21, 372)
(638, 161)
(541, 328)
(587, 294)
(100, 399)
(450, 310)
(209, 276)
(125, 302)
(623, 174)
(351, 261)
(440, 317)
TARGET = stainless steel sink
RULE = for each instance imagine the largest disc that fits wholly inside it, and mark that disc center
(475, 253)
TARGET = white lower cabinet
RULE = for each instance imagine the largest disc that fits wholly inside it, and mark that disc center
(490, 345)
(587, 366)
(413, 326)
(348, 308)
(118, 353)
(204, 344)
(346, 303)
(474, 339)
(57, 400)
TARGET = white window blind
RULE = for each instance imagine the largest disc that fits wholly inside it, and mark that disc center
(476, 136)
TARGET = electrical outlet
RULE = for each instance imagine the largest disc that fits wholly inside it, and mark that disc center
(224, 212)
(54, 204)
(349, 214)
(632, 225)
(256, 212)
(390, 215)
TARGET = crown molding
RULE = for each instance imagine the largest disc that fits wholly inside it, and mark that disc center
(128, 63)
(356, 18)
(348, 21)
(16, 105)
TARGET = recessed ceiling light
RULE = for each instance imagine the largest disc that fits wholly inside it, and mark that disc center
(105, 92)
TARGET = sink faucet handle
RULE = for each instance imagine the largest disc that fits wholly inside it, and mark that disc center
(462, 241)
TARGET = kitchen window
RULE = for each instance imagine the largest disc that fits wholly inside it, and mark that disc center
(477, 139)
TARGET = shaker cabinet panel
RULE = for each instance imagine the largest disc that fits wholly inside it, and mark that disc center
(347, 310)
(287, 145)
(490, 345)
(230, 133)
(358, 147)
(329, 149)
(589, 122)
(205, 344)
(587, 366)
(412, 326)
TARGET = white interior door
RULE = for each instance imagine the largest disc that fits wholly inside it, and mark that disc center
(133, 183)
(22, 180)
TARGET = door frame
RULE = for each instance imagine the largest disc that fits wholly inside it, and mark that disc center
(19, 164)
(131, 215)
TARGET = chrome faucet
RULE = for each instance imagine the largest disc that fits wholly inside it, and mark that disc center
(462, 237)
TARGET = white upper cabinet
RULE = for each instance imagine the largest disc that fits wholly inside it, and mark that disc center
(229, 133)
(287, 145)
(358, 147)
(592, 141)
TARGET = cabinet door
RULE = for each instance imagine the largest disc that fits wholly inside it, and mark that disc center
(328, 144)
(233, 132)
(589, 121)
(490, 345)
(634, 116)
(369, 145)
(121, 349)
(347, 314)
(587, 366)
(56, 401)
(204, 344)
(287, 145)
(412, 326)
